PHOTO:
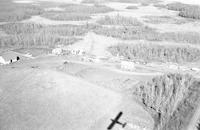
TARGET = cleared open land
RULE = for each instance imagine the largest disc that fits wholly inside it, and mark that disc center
(80, 62)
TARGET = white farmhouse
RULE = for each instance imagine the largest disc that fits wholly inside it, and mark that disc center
(8, 56)
(173, 66)
(195, 69)
(184, 68)
(2, 61)
(127, 65)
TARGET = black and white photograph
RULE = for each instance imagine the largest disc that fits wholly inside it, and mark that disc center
(99, 64)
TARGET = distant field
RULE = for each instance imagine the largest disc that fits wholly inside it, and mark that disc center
(11, 12)
(73, 12)
(122, 1)
(73, 8)
(66, 16)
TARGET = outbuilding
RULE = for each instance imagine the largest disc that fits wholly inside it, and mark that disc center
(2, 61)
(127, 65)
(195, 69)
(10, 57)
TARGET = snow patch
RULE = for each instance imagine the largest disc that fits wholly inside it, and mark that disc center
(55, 9)
(120, 6)
(141, 12)
(45, 21)
(23, 1)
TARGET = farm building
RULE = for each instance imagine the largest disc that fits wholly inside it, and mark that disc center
(184, 68)
(195, 69)
(10, 56)
(60, 51)
(77, 52)
(127, 65)
(2, 61)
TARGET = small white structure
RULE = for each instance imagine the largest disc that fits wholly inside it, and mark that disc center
(184, 68)
(29, 55)
(57, 51)
(127, 65)
(173, 66)
(96, 60)
(87, 59)
(77, 52)
(195, 69)
(81, 52)
(2, 61)
(73, 52)
(55, 9)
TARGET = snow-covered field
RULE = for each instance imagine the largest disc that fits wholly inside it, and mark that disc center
(119, 5)
(120, 8)
(65, 92)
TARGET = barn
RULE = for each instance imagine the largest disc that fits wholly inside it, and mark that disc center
(2, 61)
(6, 57)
